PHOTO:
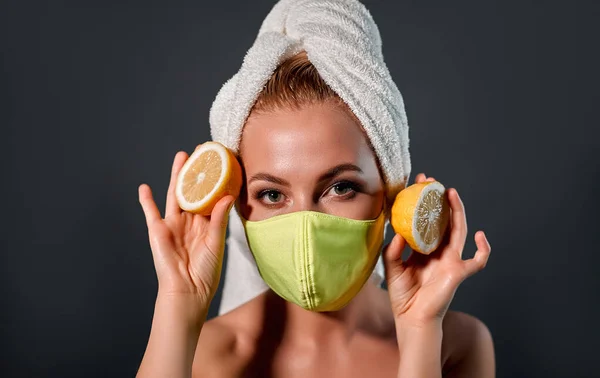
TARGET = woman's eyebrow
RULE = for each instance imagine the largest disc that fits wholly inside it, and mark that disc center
(331, 173)
(339, 169)
(268, 177)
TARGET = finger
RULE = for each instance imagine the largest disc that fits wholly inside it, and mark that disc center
(218, 223)
(420, 178)
(148, 205)
(480, 259)
(392, 257)
(172, 206)
(430, 179)
(458, 233)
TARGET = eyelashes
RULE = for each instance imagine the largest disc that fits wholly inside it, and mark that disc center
(341, 190)
(346, 187)
(270, 195)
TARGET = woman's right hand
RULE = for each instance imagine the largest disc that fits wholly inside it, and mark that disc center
(187, 248)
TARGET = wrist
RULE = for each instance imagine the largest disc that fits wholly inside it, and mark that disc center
(176, 326)
(410, 330)
(418, 322)
(188, 309)
(420, 347)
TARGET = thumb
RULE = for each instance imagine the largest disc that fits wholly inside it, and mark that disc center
(392, 258)
(218, 223)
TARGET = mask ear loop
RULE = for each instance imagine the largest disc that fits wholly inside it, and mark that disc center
(387, 209)
(378, 274)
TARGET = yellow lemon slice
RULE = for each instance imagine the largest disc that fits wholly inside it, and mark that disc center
(420, 214)
(210, 173)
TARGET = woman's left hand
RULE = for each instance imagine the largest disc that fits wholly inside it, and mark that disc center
(422, 287)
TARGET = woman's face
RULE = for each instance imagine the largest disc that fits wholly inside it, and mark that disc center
(316, 158)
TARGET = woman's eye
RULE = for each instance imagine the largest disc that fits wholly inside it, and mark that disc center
(271, 196)
(342, 188)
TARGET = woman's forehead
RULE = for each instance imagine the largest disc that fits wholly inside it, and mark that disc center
(322, 135)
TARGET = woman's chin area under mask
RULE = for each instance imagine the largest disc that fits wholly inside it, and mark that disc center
(368, 314)
(314, 158)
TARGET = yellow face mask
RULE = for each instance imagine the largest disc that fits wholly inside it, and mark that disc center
(316, 260)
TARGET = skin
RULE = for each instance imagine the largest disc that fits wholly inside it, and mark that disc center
(406, 331)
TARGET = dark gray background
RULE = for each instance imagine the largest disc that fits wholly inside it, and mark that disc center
(97, 97)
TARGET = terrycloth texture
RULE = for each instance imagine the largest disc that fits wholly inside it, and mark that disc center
(342, 41)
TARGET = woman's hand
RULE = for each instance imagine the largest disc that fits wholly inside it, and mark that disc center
(422, 287)
(187, 248)
(188, 254)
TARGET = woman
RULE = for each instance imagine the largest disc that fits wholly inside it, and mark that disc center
(326, 155)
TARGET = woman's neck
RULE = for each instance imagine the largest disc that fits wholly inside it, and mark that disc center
(369, 313)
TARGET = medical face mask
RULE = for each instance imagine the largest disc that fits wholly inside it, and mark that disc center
(316, 260)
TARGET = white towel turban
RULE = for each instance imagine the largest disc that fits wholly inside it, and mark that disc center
(342, 41)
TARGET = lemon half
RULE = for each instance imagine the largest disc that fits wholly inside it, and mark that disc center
(210, 173)
(420, 214)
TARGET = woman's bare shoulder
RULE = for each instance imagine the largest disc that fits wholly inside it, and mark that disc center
(224, 348)
(216, 345)
(467, 346)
